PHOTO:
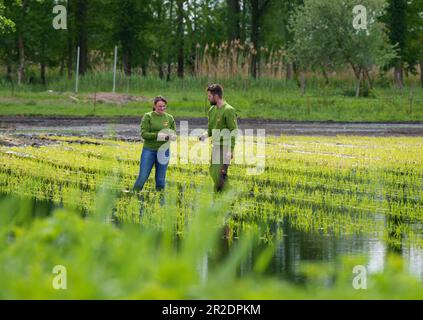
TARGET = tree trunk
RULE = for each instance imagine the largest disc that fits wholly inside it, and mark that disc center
(234, 19)
(159, 55)
(369, 79)
(396, 23)
(62, 66)
(43, 73)
(296, 73)
(161, 72)
(69, 42)
(243, 31)
(169, 70)
(325, 75)
(357, 74)
(127, 60)
(360, 82)
(9, 71)
(144, 69)
(288, 75)
(69, 62)
(255, 16)
(169, 55)
(43, 63)
(82, 34)
(21, 70)
(303, 83)
(21, 47)
(257, 12)
(399, 75)
(180, 38)
(357, 87)
(421, 73)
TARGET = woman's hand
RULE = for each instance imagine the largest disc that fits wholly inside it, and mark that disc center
(161, 136)
(203, 137)
(172, 137)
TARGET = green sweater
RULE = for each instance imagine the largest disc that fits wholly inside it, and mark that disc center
(222, 118)
(151, 124)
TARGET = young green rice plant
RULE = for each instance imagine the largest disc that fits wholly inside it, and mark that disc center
(339, 185)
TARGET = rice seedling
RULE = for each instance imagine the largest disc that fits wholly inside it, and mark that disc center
(342, 187)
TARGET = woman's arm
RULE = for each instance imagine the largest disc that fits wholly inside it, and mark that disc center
(146, 132)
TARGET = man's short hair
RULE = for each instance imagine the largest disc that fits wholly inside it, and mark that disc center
(216, 89)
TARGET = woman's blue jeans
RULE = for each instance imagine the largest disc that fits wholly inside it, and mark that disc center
(150, 158)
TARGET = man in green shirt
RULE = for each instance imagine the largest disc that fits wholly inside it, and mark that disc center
(222, 129)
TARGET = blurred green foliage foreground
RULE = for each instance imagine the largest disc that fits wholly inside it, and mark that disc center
(104, 260)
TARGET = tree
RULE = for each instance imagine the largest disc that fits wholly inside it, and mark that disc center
(180, 37)
(234, 10)
(6, 25)
(324, 37)
(276, 32)
(82, 33)
(44, 44)
(395, 19)
(414, 40)
(19, 10)
(130, 19)
(258, 9)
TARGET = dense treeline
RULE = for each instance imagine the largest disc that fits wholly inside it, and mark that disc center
(218, 38)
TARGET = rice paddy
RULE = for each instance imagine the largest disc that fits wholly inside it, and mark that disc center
(342, 189)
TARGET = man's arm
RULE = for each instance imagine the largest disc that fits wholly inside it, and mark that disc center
(231, 124)
(208, 133)
(209, 126)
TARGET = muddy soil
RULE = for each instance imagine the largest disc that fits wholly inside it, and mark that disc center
(128, 128)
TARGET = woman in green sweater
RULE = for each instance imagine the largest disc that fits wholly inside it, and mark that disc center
(157, 130)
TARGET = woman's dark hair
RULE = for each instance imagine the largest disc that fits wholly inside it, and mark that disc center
(216, 89)
(157, 99)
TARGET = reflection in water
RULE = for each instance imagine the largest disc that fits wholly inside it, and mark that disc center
(297, 247)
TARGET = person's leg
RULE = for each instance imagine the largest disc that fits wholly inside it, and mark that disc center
(219, 168)
(223, 183)
(148, 158)
(215, 165)
(161, 163)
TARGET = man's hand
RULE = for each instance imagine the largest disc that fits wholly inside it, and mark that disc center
(229, 156)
